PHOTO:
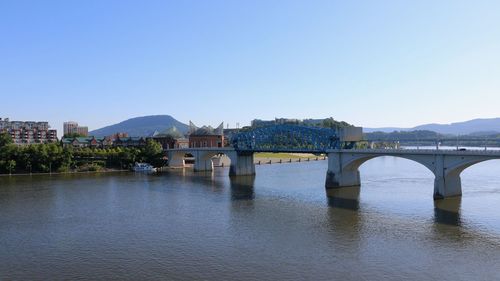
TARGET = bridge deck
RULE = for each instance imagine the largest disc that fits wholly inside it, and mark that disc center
(493, 153)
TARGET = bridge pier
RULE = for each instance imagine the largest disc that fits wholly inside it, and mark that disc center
(177, 163)
(242, 164)
(203, 165)
(340, 175)
(176, 159)
(447, 182)
(342, 179)
(447, 187)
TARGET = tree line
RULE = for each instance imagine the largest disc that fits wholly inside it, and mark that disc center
(53, 157)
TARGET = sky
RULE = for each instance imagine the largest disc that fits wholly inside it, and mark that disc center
(370, 63)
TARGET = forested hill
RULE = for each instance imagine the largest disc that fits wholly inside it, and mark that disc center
(490, 125)
(141, 126)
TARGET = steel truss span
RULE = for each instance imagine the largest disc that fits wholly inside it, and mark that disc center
(286, 138)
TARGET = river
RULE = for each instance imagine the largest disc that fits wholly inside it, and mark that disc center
(278, 225)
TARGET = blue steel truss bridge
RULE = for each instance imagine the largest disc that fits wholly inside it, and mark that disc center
(289, 138)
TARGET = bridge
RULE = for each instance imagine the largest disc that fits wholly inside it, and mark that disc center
(446, 165)
(343, 160)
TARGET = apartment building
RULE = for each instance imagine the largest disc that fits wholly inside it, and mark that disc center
(28, 132)
(72, 127)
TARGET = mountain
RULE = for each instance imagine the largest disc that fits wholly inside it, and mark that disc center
(141, 126)
(385, 129)
(491, 125)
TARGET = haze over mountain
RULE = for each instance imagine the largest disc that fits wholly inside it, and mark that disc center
(490, 125)
(141, 126)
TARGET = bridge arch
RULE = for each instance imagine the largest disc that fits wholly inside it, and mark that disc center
(445, 165)
(458, 166)
(204, 161)
(356, 162)
(176, 158)
(343, 167)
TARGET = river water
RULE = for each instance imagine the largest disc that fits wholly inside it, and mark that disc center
(278, 225)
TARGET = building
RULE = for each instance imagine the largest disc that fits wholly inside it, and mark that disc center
(171, 138)
(93, 142)
(206, 136)
(118, 135)
(69, 127)
(72, 127)
(116, 140)
(130, 142)
(28, 132)
(82, 131)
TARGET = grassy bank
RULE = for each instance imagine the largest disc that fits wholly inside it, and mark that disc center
(269, 158)
(284, 156)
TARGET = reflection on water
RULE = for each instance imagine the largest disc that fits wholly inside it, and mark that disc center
(242, 188)
(345, 198)
(181, 225)
(447, 211)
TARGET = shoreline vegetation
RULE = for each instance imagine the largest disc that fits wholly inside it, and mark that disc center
(54, 158)
(102, 171)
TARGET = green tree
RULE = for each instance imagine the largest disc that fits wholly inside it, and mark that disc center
(11, 165)
(152, 153)
(5, 139)
(127, 157)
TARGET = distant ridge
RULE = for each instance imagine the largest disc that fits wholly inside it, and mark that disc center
(142, 126)
(491, 125)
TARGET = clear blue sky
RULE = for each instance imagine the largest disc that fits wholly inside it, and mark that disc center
(371, 63)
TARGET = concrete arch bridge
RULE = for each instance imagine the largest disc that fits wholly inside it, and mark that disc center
(343, 164)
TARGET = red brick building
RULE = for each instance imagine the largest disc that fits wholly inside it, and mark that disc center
(206, 136)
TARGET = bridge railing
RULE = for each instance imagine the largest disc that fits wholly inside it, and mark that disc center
(441, 142)
(424, 151)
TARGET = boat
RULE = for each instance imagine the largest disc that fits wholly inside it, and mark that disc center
(143, 167)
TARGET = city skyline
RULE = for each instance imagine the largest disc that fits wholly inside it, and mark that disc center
(372, 64)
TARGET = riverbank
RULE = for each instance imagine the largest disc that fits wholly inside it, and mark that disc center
(66, 173)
